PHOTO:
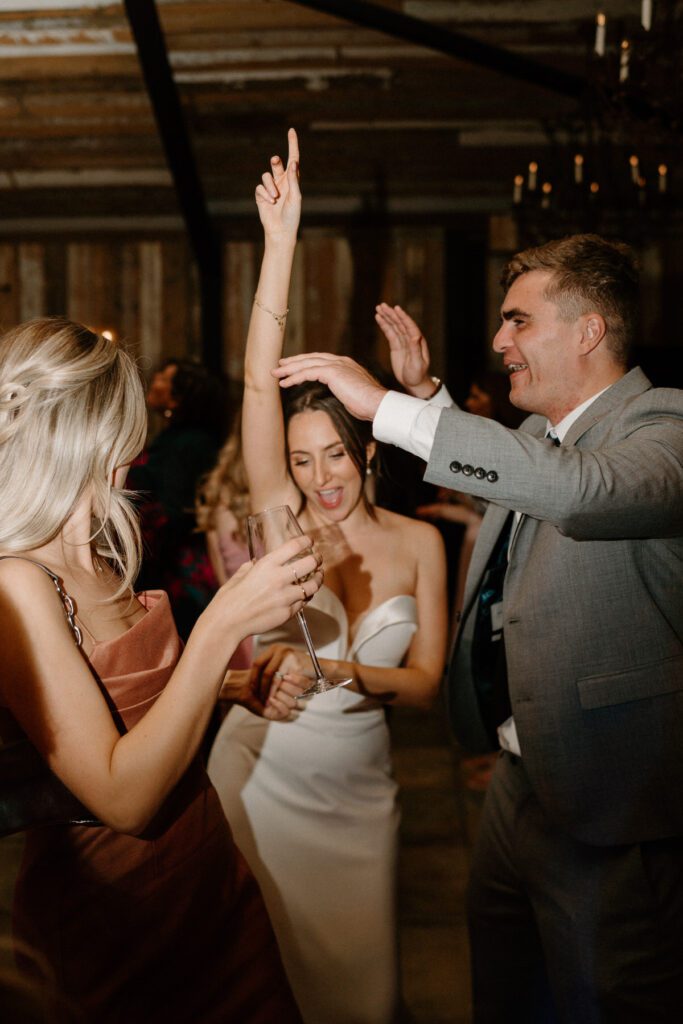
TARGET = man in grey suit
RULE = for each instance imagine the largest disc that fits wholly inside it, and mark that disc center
(570, 644)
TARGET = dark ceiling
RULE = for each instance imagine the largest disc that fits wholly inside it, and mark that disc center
(425, 106)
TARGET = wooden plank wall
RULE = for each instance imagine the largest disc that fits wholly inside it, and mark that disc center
(145, 290)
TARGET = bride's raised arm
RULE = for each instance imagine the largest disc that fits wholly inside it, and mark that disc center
(278, 200)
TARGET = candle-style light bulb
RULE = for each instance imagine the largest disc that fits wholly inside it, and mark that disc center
(635, 168)
(600, 32)
(533, 171)
(624, 58)
(546, 189)
(517, 189)
(578, 168)
(646, 14)
(662, 171)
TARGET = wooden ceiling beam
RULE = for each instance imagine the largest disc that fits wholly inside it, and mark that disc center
(454, 44)
(156, 71)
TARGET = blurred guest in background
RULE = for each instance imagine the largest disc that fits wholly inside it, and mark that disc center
(222, 507)
(193, 404)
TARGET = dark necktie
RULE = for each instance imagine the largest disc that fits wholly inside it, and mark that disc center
(489, 670)
(489, 667)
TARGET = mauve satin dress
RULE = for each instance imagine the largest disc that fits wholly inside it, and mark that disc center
(166, 927)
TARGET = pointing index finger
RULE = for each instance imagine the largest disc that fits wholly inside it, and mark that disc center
(293, 141)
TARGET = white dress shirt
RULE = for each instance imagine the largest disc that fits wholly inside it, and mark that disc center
(410, 423)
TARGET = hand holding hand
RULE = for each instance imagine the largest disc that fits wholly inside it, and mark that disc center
(280, 674)
(278, 197)
(408, 349)
(273, 698)
(352, 384)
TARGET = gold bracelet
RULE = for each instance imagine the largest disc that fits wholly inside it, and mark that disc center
(279, 318)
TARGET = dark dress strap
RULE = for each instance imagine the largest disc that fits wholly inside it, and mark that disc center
(67, 601)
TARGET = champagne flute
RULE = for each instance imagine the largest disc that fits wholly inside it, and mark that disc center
(268, 530)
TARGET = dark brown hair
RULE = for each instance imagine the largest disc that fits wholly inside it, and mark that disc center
(588, 273)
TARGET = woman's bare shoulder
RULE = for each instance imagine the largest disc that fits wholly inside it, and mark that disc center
(415, 531)
(29, 605)
(19, 573)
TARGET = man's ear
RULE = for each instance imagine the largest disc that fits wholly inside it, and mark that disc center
(593, 330)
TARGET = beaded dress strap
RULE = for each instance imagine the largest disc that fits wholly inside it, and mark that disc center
(67, 602)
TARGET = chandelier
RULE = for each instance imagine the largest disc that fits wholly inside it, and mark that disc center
(614, 166)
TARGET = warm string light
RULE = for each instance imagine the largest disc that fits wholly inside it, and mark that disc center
(624, 55)
(578, 168)
(593, 187)
(635, 168)
(533, 171)
(661, 181)
(575, 194)
(600, 33)
(646, 14)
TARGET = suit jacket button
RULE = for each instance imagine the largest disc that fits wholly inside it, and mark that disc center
(455, 467)
(492, 476)
(480, 473)
(467, 470)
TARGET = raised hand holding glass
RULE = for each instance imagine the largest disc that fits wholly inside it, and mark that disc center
(268, 530)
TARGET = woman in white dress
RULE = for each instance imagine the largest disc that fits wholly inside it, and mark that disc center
(312, 801)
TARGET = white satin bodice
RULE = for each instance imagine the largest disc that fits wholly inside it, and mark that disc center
(382, 638)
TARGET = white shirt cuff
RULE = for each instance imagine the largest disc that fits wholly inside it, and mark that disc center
(410, 423)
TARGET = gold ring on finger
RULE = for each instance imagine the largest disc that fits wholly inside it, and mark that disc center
(304, 595)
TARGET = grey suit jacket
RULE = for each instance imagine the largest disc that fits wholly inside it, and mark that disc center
(592, 607)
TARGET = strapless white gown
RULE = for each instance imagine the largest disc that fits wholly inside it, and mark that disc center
(312, 805)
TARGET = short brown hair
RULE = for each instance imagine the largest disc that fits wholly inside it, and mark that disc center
(588, 272)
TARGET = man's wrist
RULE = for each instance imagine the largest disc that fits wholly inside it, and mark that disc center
(380, 395)
(427, 389)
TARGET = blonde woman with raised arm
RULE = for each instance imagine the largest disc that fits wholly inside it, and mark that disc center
(312, 802)
(150, 915)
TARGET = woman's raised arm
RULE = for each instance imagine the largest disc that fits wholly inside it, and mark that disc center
(278, 200)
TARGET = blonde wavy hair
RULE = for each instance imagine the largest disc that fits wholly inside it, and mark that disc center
(72, 410)
(225, 486)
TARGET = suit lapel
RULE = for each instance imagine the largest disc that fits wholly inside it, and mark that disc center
(631, 384)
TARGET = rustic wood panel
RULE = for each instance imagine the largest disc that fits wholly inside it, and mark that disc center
(150, 340)
(145, 290)
(9, 287)
(325, 299)
(32, 298)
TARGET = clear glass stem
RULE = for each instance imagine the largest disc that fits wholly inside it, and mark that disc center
(319, 675)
